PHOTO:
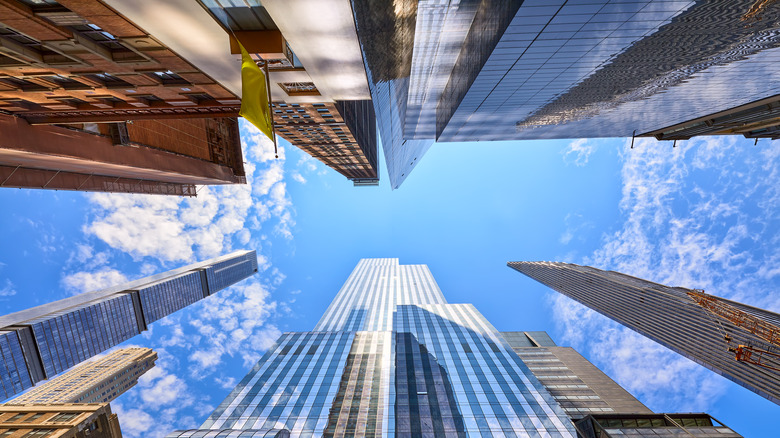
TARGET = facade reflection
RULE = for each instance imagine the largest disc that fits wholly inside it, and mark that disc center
(512, 70)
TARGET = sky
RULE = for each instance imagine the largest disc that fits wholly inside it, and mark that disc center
(702, 214)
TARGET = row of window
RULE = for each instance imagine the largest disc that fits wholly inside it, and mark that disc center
(71, 336)
(26, 417)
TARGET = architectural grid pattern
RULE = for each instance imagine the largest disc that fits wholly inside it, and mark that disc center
(390, 357)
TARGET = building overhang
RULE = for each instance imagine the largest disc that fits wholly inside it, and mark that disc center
(323, 36)
(188, 30)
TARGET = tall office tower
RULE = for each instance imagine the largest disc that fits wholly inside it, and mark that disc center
(98, 381)
(41, 342)
(90, 100)
(390, 357)
(597, 405)
(511, 70)
(732, 339)
(59, 421)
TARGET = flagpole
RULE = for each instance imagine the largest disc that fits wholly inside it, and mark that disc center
(270, 106)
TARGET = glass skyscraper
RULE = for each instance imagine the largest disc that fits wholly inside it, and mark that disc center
(41, 342)
(736, 341)
(510, 70)
(390, 357)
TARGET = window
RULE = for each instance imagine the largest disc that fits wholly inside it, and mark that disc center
(168, 77)
(37, 433)
(65, 416)
(23, 84)
(17, 417)
(67, 83)
(299, 88)
(199, 97)
(109, 81)
(32, 418)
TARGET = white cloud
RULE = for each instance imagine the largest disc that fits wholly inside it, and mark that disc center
(578, 152)
(158, 403)
(85, 281)
(225, 382)
(8, 289)
(232, 323)
(700, 215)
(176, 229)
(299, 178)
(576, 226)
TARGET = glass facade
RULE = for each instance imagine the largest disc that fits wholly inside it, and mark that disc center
(14, 376)
(390, 357)
(292, 386)
(68, 337)
(671, 317)
(39, 343)
(225, 273)
(163, 298)
(511, 70)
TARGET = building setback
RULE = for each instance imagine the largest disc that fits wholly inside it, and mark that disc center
(672, 317)
(41, 342)
(390, 357)
(91, 101)
(97, 381)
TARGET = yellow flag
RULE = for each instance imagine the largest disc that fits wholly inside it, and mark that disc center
(254, 95)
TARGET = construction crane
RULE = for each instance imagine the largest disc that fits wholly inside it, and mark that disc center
(762, 329)
(757, 356)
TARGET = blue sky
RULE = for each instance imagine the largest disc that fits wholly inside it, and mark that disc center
(701, 215)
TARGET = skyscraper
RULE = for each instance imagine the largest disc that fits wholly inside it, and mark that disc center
(97, 381)
(511, 70)
(319, 104)
(737, 341)
(390, 357)
(43, 341)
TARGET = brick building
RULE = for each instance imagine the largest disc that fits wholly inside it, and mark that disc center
(91, 101)
(59, 421)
